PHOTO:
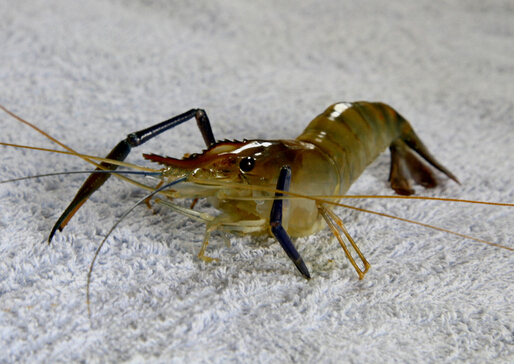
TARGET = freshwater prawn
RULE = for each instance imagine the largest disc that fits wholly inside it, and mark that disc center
(285, 188)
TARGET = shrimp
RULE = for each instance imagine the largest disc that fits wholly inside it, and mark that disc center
(240, 177)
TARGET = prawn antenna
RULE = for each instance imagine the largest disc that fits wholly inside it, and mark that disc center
(142, 173)
(139, 202)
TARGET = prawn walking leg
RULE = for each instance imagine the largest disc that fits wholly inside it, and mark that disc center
(330, 217)
(122, 150)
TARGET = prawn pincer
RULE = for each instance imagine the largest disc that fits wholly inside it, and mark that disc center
(237, 177)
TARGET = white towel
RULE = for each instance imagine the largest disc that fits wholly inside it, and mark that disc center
(90, 72)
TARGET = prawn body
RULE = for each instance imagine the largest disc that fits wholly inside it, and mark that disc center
(247, 180)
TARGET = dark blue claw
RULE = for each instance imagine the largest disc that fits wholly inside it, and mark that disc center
(121, 151)
(283, 183)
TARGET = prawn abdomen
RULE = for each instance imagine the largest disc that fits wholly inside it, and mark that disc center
(354, 134)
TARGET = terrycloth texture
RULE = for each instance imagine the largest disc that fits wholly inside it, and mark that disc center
(90, 72)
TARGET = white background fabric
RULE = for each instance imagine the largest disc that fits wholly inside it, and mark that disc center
(90, 72)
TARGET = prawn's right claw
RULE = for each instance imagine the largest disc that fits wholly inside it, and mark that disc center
(93, 183)
(122, 150)
(283, 183)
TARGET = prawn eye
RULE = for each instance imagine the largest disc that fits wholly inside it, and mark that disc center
(247, 164)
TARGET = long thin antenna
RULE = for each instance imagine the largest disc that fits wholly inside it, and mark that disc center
(182, 179)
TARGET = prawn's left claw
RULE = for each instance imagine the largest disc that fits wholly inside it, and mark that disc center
(283, 183)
